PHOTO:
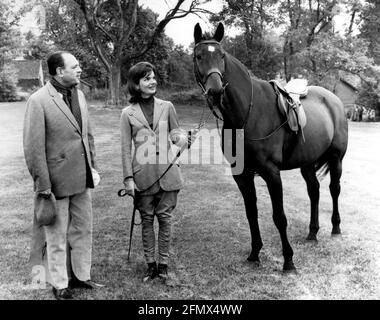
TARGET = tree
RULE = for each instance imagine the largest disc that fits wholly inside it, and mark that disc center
(36, 47)
(257, 47)
(329, 54)
(370, 28)
(111, 25)
(9, 38)
(8, 81)
(263, 58)
(65, 30)
(370, 31)
(180, 68)
(66, 27)
(307, 21)
(158, 55)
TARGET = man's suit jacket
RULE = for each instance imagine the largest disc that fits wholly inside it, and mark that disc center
(57, 153)
(151, 153)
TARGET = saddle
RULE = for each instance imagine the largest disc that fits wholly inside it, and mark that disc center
(289, 102)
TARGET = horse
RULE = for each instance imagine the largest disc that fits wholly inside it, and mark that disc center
(270, 146)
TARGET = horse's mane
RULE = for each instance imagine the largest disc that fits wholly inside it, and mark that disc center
(238, 63)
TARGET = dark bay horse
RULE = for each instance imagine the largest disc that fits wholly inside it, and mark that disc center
(269, 146)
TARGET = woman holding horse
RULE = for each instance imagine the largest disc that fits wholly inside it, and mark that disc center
(148, 126)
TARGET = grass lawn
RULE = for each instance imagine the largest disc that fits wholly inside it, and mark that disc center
(211, 238)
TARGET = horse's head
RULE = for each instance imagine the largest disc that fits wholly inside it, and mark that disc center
(209, 66)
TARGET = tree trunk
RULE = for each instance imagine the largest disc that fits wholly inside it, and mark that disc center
(114, 85)
(286, 71)
(286, 52)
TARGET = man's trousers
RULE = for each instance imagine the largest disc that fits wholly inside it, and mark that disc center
(69, 240)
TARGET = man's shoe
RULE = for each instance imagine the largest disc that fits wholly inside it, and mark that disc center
(151, 272)
(89, 284)
(62, 294)
(163, 271)
(75, 283)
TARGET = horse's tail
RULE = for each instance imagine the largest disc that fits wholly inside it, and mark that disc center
(322, 168)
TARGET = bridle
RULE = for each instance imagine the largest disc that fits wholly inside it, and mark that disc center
(202, 85)
(224, 85)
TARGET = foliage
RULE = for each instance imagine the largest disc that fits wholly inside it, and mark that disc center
(9, 36)
(257, 47)
(307, 42)
(8, 81)
(180, 68)
(65, 28)
(370, 31)
(327, 55)
(36, 47)
(157, 55)
(370, 28)
(9, 40)
(369, 94)
(263, 58)
(181, 95)
(109, 36)
(111, 26)
(277, 37)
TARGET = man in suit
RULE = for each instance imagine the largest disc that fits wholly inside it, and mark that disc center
(60, 155)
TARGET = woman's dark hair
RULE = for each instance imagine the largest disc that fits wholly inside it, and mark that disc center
(54, 61)
(135, 73)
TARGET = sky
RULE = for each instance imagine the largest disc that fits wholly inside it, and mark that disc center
(181, 30)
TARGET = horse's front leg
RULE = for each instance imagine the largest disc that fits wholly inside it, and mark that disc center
(246, 184)
(271, 175)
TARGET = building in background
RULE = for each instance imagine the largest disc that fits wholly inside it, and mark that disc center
(347, 89)
(29, 74)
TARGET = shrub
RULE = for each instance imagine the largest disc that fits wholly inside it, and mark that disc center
(182, 96)
(102, 94)
(98, 94)
(8, 82)
(179, 96)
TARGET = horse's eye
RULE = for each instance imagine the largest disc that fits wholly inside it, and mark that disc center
(199, 57)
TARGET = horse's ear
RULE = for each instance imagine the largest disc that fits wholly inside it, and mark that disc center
(197, 33)
(219, 33)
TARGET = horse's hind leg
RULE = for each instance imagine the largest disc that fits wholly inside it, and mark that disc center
(308, 173)
(335, 166)
(246, 184)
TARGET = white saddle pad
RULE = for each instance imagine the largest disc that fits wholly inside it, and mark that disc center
(297, 87)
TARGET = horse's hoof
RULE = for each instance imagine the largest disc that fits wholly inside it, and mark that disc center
(254, 259)
(291, 271)
(311, 237)
(335, 231)
(255, 264)
(289, 268)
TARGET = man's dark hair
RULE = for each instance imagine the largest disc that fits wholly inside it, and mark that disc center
(54, 61)
(135, 73)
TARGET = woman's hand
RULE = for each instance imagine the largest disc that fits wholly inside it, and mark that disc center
(178, 136)
(130, 187)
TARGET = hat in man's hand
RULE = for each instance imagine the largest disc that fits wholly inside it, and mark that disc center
(45, 209)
